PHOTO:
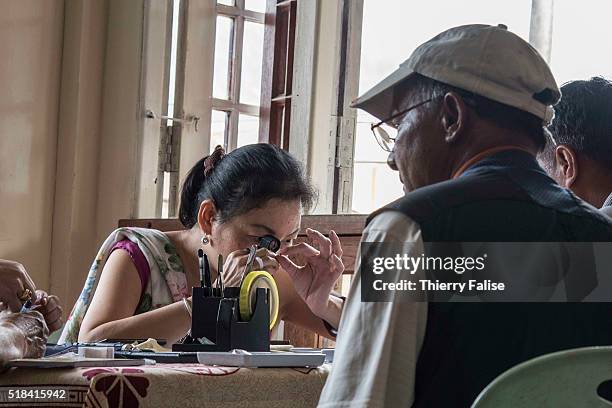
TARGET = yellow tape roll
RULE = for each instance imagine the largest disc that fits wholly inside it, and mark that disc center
(252, 281)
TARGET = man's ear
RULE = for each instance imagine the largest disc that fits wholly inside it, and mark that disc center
(206, 216)
(454, 116)
(567, 165)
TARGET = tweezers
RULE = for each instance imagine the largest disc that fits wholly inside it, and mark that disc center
(249, 262)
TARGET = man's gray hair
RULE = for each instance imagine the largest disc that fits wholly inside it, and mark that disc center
(504, 116)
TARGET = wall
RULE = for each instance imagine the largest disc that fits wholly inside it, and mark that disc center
(122, 115)
(31, 49)
(74, 241)
(100, 128)
(70, 126)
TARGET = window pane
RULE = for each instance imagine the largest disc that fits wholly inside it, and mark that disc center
(255, 5)
(248, 130)
(166, 195)
(402, 31)
(223, 45)
(366, 147)
(413, 23)
(218, 129)
(226, 2)
(173, 54)
(578, 28)
(374, 185)
(252, 56)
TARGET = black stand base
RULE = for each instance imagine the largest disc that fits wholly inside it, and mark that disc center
(216, 325)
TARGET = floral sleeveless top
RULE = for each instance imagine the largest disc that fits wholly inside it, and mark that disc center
(167, 283)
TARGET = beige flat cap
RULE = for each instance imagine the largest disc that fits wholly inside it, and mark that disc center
(487, 60)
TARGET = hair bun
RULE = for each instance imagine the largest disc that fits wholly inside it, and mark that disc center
(211, 161)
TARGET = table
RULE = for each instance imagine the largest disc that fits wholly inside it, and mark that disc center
(164, 385)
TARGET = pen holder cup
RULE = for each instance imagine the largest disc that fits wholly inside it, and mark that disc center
(216, 325)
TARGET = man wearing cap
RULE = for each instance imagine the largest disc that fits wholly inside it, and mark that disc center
(470, 106)
(579, 154)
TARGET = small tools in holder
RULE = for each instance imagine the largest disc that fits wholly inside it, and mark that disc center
(227, 318)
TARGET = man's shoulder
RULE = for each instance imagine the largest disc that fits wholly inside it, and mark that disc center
(607, 211)
(391, 225)
(496, 198)
(429, 200)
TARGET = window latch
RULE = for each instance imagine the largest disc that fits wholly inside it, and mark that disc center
(149, 114)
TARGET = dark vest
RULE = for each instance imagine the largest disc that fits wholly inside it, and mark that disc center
(505, 197)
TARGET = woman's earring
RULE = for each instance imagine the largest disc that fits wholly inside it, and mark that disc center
(205, 240)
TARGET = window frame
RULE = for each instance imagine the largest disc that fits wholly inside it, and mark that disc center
(277, 78)
(232, 105)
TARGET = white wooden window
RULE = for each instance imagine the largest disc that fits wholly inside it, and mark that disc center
(203, 64)
(237, 73)
(170, 174)
(161, 37)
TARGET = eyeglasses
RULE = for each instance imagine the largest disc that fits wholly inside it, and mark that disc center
(384, 140)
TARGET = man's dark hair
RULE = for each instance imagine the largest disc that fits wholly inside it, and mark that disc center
(502, 115)
(583, 119)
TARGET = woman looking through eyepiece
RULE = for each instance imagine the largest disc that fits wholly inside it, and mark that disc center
(140, 277)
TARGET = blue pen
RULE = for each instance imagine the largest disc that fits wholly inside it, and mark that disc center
(26, 306)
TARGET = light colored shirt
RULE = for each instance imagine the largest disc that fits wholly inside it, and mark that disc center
(607, 206)
(378, 343)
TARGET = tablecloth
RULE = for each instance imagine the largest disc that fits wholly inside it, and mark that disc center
(162, 385)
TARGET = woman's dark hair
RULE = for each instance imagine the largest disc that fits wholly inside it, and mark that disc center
(243, 180)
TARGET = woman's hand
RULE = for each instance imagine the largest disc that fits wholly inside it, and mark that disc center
(14, 280)
(315, 280)
(235, 263)
(49, 307)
